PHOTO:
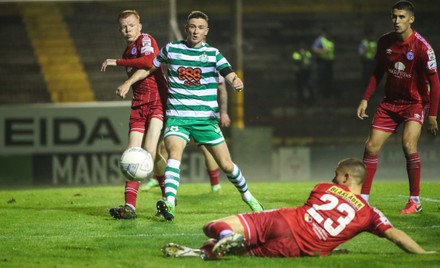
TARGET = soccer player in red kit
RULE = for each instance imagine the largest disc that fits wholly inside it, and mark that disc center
(411, 92)
(149, 95)
(333, 214)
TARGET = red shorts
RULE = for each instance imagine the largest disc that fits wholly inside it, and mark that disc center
(389, 116)
(268, 234)
(141, 116)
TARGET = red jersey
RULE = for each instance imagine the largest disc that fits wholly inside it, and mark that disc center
(138, 55)
(408, 65)
(331, 216)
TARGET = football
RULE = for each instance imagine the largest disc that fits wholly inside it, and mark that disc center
(136, 164)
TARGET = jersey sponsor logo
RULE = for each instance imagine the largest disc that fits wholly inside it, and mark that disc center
(432, 65)
(348, 196)
(399, 66)
(133, 51)
(410, 55)
(190, 76)
(399, 70)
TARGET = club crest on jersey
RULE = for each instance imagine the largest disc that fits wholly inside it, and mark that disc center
(307, 217)
(410, 55)
(204, 58)
(133, 51)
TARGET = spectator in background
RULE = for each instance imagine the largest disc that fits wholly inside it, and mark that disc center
(324, 49)
(302, 67)
(367, 51)
(412, 92)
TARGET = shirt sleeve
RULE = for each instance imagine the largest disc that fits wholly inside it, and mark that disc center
(378, 223)
(148, 50)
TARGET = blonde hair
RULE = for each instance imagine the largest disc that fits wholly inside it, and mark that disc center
(126, 13)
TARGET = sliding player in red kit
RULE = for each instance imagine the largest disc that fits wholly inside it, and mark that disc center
(411, 92)
(333, 214)
(149, 96)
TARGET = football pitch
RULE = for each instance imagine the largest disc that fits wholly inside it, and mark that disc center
(71, 227)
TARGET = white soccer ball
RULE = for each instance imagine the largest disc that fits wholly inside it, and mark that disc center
(136, 164)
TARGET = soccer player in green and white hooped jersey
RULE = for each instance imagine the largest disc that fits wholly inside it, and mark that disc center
(192, 108)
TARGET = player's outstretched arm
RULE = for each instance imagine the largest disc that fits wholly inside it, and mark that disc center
(108, 62)
(406, 243)
(137, 76)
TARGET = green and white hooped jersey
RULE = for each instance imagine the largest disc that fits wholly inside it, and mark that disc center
(192, 80)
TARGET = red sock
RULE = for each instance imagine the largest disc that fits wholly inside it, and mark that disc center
(214, 176)
(161, 180)
(207, 248)
(131, 192)
(213, 229)
(370, 162)
(413, 168)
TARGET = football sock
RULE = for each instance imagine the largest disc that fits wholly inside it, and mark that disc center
(370, 162)
(214, 176)
(172, 180)
(217, 229)
(131, 192)
(413, 168)
(161, 180)
(240, 182)
(415, 199)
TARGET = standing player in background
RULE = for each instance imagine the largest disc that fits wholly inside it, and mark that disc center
(211, 166)
(411, 92)
(147, 114)
(333, 214)
(192, 108)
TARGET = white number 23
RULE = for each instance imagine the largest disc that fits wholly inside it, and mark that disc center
(333, 202)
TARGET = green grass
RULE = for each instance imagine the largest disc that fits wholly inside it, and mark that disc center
(71, 227)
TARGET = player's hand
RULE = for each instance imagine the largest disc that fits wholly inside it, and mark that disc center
(123, 89)
(237, 84)
(107, 62)
(225, 121)
(432, 126)
(361, 109)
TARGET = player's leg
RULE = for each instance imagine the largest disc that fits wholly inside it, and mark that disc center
(410, 138)
(227, 236)
(373, 145)
(150, 143)
(221, 154)
(160, 163)
(212, 169)
(128, 211)
(175, 146)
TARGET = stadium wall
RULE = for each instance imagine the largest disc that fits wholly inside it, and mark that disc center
(80, 144)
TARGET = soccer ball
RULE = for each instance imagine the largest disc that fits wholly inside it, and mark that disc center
(136, 164)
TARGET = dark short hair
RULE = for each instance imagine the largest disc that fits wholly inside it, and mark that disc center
(404, 5)
(197, 15)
